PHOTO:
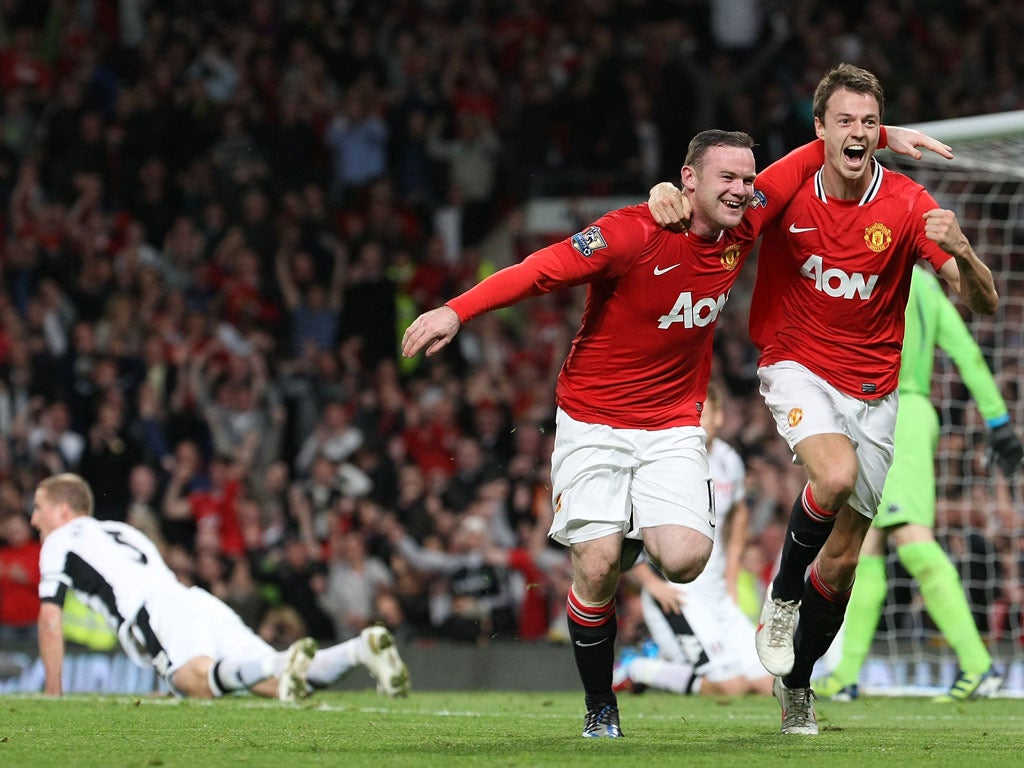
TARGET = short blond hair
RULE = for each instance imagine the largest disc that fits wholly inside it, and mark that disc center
(70, 489)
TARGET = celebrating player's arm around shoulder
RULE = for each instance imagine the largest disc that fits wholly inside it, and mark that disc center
(629, 462)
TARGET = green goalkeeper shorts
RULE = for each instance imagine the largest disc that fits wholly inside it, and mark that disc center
(909, 493)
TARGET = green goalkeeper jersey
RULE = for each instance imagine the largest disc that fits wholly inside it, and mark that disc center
(932, 321)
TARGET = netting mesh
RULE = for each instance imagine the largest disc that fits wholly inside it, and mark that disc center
(980, 515)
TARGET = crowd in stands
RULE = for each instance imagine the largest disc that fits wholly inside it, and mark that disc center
(217, 217)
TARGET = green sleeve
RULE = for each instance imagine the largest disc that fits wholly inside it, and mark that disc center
(939, 323)
(918, 356)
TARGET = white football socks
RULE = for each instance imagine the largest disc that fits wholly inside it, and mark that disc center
(659, 673)
(229, 675)
(329, 664)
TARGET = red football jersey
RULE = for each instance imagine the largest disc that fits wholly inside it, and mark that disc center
(833, 277)
(642, 356)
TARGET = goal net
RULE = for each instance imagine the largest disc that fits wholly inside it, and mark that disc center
(980, 515)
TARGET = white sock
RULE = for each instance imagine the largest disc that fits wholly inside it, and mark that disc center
(329, 664)
(658, 673)
(229, 675)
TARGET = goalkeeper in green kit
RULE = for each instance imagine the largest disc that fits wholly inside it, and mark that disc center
(906, 515)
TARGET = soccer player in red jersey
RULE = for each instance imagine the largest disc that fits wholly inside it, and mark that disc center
(629, 456)
(828, 315)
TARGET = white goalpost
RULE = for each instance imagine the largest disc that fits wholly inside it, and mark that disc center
(980, 515)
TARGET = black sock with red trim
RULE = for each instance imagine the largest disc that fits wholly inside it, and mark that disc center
(592, 630)
(809, 528)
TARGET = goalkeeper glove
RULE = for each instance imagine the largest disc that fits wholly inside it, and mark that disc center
(1006, 448)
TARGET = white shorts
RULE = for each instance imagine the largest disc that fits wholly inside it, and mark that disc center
(804, 404)
(181, 624)
(606, 480)
(713, 635)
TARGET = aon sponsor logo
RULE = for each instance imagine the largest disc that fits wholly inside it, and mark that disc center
(836, 282)
(693, 313)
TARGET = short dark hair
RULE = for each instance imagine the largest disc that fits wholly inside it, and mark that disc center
(705, 140)
(852, 79)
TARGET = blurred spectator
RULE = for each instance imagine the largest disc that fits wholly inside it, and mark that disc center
(471, 156)
(368, 306)
(19, 580)
(315, 308)
(53, 443)
(472, 470)
(230, 382)
(357, 137)
(354, 580)
(109, 456)
(474, 602)
(335, 438)
(297, 576)
(143, 512)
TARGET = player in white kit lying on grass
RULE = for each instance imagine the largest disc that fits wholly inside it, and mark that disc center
(195, 642)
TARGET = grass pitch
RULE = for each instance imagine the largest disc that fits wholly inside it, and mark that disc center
(495, 728)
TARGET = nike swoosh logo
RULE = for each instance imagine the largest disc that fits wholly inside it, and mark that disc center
(590, 645)
(797, 541)
(797, 230)
(660, 271)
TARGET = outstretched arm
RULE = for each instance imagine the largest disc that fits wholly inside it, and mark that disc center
(965, 272)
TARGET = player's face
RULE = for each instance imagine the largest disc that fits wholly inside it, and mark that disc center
(850, 130)
(46, 514)
(721, 190)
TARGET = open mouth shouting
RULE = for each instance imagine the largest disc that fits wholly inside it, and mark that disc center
(854, 156)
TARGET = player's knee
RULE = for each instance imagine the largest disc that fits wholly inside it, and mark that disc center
(833, 490)
(834, 482)
(684, 567)
(595, 581)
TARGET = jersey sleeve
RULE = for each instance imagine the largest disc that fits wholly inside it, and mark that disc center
(53, 581)
(955, 339)
(927, 249)
(605, 248)
(779, 182)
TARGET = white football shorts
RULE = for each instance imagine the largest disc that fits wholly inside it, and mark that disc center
(191, 622)
(804, 404)
(606, 480)
(719, 643)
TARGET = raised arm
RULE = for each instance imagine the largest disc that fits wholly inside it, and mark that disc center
(965, 273)
(782, 178)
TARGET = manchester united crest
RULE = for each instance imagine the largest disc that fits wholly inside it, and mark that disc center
(730, 257)
(795, 416)
(878, 237)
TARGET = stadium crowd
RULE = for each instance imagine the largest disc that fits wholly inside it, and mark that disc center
(217, 218)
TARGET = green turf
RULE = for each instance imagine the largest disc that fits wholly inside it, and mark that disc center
(352, 729)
